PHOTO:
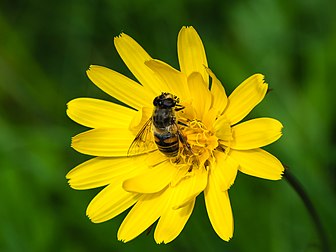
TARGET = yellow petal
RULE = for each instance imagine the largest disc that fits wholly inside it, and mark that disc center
(172, 221)
(200, 95)
(224, 171)
(135, 57)
(103, 142)
(219, 98)
(120, 87)
(189, 187)
(258, 163)
(245, 97)
(223, 129)
(102, 171)
(191, 53)
(255, 133)
(110, 202)
(175, 81)
(219, 209)
(209, 118)
(145, 212)
(154, 158)
(151, 180)
(96, 113)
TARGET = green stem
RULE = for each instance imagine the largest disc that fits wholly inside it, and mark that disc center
(297, 186)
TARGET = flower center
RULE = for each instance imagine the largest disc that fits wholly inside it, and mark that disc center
(199, 144)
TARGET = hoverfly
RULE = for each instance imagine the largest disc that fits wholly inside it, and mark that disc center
(163, 126)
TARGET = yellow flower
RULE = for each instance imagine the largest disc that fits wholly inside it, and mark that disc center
(215, 147)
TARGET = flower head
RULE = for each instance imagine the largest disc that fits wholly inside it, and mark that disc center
(134, 160)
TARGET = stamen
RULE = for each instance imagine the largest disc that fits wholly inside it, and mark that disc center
(201, 144)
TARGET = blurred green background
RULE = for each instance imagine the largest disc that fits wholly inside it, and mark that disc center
(45, 48)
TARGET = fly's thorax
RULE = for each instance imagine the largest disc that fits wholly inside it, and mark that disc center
(163, 117)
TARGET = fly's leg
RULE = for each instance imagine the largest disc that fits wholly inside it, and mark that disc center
(184, 141)
(182, 123)
(179, 107)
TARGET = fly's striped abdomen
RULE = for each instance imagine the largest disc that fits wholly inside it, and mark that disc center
(167, 143)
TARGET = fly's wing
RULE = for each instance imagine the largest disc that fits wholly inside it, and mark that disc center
(143, 141)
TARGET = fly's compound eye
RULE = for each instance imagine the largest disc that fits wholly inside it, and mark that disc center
(157, 101)
(169, 103)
